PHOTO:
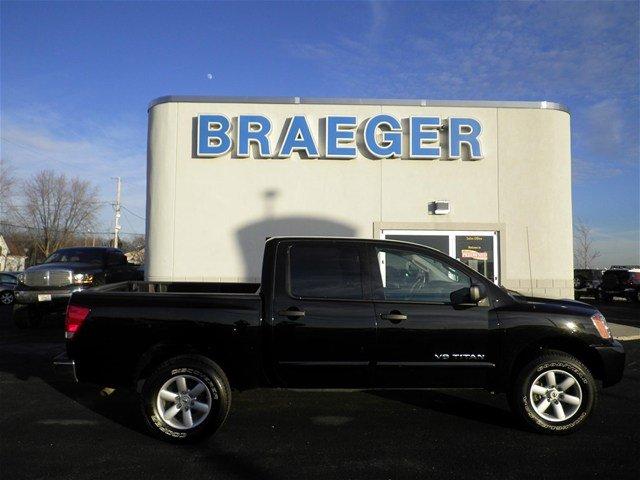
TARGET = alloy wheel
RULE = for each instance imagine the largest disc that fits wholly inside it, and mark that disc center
(6, 298)
(184, 402)
(556, 395)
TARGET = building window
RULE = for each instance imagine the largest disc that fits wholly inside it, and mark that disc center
(477, 249)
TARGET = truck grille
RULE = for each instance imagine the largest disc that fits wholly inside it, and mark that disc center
(48, 278)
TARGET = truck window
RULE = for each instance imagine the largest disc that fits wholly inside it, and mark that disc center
(116, 259)
(8, 279)
(81, 255)
(411, 276)
(325, 271)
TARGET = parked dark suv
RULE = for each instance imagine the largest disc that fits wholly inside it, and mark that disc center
(621, 281)
(48, 286)
(586, 283)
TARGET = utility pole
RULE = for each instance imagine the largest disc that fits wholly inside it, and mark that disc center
(116, 223)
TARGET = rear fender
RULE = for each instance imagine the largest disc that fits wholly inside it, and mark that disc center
(159, 353)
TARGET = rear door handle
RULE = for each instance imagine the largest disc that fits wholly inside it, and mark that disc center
(291, 313)
(393, 317)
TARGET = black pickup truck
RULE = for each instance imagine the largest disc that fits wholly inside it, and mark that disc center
(334, 313)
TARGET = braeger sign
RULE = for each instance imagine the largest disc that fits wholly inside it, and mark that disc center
(380, 136)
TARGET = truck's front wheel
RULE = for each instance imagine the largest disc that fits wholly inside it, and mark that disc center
(554, 393)
(186, 398)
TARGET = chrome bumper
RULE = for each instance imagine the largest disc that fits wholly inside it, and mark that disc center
(27, 297)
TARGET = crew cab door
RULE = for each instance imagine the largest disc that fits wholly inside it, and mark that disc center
(423, 339)
(323, 321)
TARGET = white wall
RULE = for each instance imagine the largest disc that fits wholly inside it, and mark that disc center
(207, 218)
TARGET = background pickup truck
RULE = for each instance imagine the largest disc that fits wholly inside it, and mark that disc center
(339, 313)
(48, 286)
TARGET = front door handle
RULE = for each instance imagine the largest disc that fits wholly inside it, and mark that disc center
(291, 313)
(394, 316)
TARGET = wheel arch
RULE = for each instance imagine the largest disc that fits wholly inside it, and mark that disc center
(162, 352)
(585, 354)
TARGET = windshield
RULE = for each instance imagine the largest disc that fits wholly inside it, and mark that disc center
(79, 255)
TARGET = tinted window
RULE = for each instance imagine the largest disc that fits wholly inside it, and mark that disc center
(4, 278)
(76, 255)
(409, 276)
(116, 258)
(325, 271)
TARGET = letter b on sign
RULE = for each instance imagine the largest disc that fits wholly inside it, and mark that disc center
(213, 138)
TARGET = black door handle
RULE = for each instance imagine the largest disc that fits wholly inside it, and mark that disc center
(393, 316)
(291, 313)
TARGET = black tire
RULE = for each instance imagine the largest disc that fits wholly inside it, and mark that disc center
(26, 316)
(522, 399)
(196, 368)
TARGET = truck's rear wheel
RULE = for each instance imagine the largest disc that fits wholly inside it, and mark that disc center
(555, 393)
(186, 398)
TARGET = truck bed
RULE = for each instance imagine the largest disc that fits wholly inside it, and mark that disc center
(179, 287)
(132, 322)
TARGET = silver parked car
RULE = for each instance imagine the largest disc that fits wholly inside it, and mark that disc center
(8, 283)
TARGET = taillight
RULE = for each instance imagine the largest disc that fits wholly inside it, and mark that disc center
(601, 325)
(75, 317)
(634, 279)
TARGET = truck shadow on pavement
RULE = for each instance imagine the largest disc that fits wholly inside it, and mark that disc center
(456, 405)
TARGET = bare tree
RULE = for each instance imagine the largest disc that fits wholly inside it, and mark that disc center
(56, 209)
(134, 248)
(7, 182)
(584, 253)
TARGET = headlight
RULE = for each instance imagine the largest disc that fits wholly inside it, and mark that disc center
(601, 325)
(21, 277)
(82, 279)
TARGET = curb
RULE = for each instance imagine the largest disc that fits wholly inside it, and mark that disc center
(624, 333)
(628, 338)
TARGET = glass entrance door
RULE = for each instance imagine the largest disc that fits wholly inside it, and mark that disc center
(477, 249)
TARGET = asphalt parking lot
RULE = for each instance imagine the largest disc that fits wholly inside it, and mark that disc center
(55, 429)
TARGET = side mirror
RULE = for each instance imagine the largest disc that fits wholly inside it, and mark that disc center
(477, 293)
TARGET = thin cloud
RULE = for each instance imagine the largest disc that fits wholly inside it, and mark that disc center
(586, 171)
(94, 151)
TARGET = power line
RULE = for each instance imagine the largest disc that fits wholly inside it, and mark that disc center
(97, 202)
(133, 213)
(126, 220)
(81, 232)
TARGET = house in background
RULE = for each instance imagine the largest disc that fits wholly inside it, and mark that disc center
(135, 256)
(10, 258)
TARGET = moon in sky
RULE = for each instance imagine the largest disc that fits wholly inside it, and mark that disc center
(210, 76)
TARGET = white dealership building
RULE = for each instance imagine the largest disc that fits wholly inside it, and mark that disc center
(488, 183)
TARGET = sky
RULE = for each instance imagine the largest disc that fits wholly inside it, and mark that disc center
(76, 79)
